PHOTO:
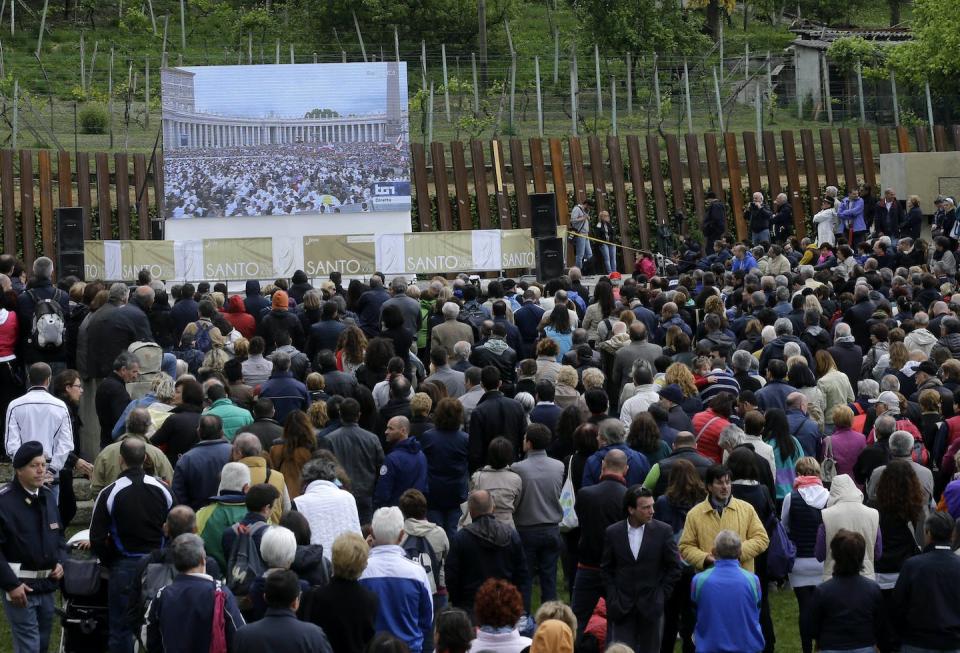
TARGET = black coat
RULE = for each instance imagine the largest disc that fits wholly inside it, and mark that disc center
(927, 600)
(279, 631)
(495, 415)
(111, 400)
(715, 221)
(641, 585)
(484, 549)
(110, 331)
(346, 610)
(505, 361)
(279, 320)
(178, 433)
(856, 316)
(782, 222)
(598, 507)
(161, 324)
(849, 357)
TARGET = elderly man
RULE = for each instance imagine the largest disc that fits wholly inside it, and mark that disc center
(112, 396)
(444, 374)
(196, 474)
(638, 349)
(611, 437)
(920, 339)
(900, 445)
(409, 307)
(451, 331)
(802, 427)
(846, 353)
(108, 465)
(248, 450)
(329, 509)
(406, 605)
(758, 217)
(225, 509)
(405, 467)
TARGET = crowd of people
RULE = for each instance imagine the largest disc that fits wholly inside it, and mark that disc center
(278, 179)
(434, 466)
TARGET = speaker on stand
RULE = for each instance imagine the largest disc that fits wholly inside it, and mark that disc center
(70, 261)
(549, 250)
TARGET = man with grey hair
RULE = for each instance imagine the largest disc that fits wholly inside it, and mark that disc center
(248, 450)
(474, 392)
(901, 446)
(857, 316)
(742, 362)
(776, 349)
(107, 467)
(460, 360)
(182, 617)
(112, 397)
(409, 307)
(111, 332)
(330, 510)
(846, 353)
(727, 601)
(451, 330)
(43, 297)
(406, 604)
(611, 436)
(286, 392)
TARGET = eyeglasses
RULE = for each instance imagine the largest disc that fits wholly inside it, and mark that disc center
(76, 385)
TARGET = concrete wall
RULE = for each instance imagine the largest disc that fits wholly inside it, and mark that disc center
(809, 84)
(926, 174)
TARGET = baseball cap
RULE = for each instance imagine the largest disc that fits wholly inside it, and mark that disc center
(887, 398)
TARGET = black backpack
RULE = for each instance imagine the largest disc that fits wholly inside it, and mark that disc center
(419, 549)
(244, 562)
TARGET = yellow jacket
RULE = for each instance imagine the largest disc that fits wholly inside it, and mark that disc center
(810, 255)
(258, 474)
(703, 524)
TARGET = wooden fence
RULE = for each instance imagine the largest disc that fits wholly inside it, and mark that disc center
(616, 172)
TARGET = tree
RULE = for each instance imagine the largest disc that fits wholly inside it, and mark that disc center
(715, 13)
(638, 26)
(932, 54)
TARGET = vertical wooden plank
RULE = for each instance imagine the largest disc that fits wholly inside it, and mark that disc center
(499, 185)
(27, 218)
(639, 189)
(421, 186)
(64, 179)
(773, 164)
(793, 183)
(122, 177)
(866, 157)
(537, 166)
(883, 140)
(104, 209)
(7, 202)
(656, 180)
(559, 180)
(141, 195)
(462, 185)
(829, 160)
(713, 165)
(576, 169)
(480, 188)
(620, 199)
(519, 170)
(810, 169)
(597, 167)
(956, 137)
(45, 171)
(158, 182)
(846, 156)
(920, 135)
(940, 138)
(903, 139)
(696, 179)
(83, 191)
(736, 187)
(753, 163)
(440, 185)
(675, 166)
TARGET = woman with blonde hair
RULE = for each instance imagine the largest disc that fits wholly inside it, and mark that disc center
(566, 387)
(681, 375)
(893, 362)
(835, 386)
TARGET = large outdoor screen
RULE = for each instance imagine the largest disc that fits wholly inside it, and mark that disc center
(266, 140)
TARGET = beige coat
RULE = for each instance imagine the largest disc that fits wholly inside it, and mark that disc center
(449, 333)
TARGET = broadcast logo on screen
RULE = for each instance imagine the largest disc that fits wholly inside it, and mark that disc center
(390, 194)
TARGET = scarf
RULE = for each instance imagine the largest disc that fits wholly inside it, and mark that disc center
(840, 339)
(806, 481)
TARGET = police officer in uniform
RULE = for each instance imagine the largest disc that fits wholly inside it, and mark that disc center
(31, 550)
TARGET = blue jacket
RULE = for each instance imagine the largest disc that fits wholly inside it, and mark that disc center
(183, 313)
(852, 213)
(406, 605)
(637, 471)
(727, 600)
(806, 431)
(121, 426)
(446, 454)
(774, 395)
(527, 319)
(254, 302)
(298, 637)
(405, 467)
(179, 618)
(286, 393)
(368, 310)
(196, 477)
(745, 264)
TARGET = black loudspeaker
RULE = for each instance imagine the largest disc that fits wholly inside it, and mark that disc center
(549, 258)
(70, 241)
(543, 215)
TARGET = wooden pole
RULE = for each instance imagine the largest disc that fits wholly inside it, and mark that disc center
(926, 90)
(826, 87)
(686, 91)
(482, 38)
(573, 90)
(759, 109)
(536, 67)
(293, 57)
(396, 43)
(896, 103)
(146, 91)
(430, 116)
(629, 84)
(716, 92)
(596, 64)
(506, 26)
(556, 56)
(249, 48)
(163, 51)
(153, 17)
(476, 87)
(16, 112)
(93, 61)
(356, 24)
(43, 25)
(277, 55)
(13, 17)
(613, 103)
(83, 66)
(110, 97)
(446, 85)
(863, 111)
(183, 24)
(423, 64)
(746, 62)
(513, 90)
(722, 67)
(656, 83)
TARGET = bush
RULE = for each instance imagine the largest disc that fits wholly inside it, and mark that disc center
(94, 119)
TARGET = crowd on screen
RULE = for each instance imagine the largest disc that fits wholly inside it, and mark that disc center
(630, 464)
(277, 179)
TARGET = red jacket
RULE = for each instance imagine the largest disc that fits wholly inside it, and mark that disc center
(8, 334)
(708, 432)
(236, 314)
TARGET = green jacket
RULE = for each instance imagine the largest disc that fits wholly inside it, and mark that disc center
(234, 418)
(426, 307)
(212, 520)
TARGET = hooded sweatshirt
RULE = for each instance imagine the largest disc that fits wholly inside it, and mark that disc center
(235, 312)
(920, 340)
(404, 468)
(255, 302)
(845, 509)
(485, 548)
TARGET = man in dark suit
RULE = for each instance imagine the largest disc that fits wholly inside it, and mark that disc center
(546, 412)
(640, 566)
(279, 630)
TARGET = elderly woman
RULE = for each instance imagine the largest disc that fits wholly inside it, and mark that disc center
(548, 353)
(566, 388)
(345, 609)
(158, 400)
(278, 549)
(503, 484)
(420, 407)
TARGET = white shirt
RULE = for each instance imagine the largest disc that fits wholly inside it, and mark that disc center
(330, 511)
(40, 416)
(635, 538)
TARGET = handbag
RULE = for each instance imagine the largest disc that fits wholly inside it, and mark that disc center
(568, 501)
(828, 468)
(782, 552)
(81, 575)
